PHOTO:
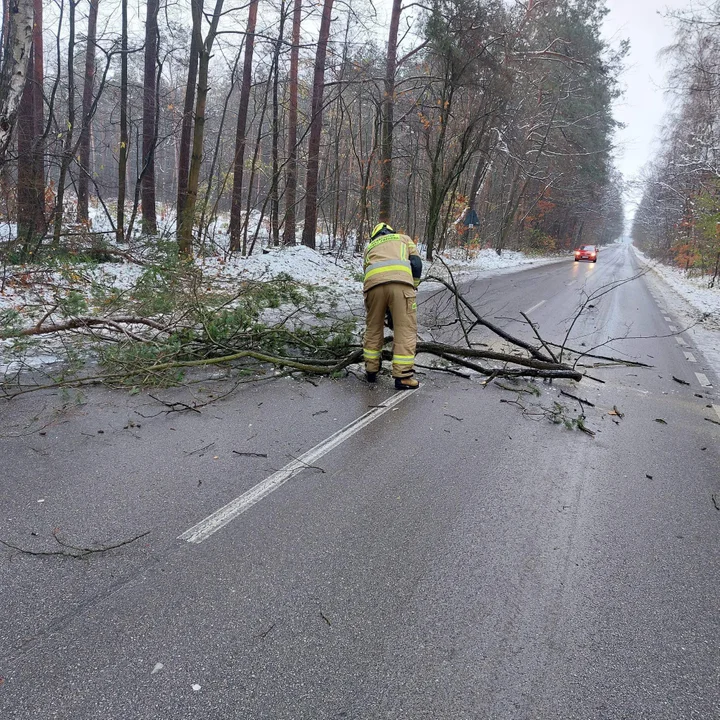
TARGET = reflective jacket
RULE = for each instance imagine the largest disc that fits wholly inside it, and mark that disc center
(387, 259)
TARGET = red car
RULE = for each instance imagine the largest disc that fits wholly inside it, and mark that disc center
(586, 252)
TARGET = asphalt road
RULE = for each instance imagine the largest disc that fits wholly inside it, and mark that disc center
(460, 556)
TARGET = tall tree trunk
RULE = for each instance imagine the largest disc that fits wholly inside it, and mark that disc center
(311, 182)
(122, 164)
(31, 167)
(478, 177)
(4, 44)
(87, 101)
(275, 187)
(17, 39)
(240, 138)
(388, 106)
(187, 219)
(67, 154)
(291, 177)
(187, 121)
(149, 219)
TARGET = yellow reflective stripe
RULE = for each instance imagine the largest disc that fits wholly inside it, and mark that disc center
(371, 353)
(416, 281)
(388, 268)
(389, 261)
(382, 239)
(403, 359)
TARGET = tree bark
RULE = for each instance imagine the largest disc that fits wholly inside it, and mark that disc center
(291, 177)
(388, 106)
(188, 216)
(87, 102)
(31, 166)
(67, 153)
(149, 218)
(275, 187)
(240, 137)
(186, 131)
(18, 38)
(122, 164)
(311, 182)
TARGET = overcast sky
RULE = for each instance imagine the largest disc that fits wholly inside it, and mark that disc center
(644, 102)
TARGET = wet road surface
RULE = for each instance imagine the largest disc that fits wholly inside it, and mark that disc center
(461, 556)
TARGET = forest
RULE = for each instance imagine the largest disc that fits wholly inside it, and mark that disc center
(678, 218)
(218, 128)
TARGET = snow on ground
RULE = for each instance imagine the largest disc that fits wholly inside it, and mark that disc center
(695, 305)
(299, 262)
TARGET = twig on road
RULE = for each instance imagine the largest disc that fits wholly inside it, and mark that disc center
(72, 550)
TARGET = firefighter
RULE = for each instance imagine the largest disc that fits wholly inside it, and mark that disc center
(392, 273)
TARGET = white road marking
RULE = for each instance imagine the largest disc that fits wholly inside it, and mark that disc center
(666, 319)
(211, 524)
(690, 357)
(680, 341)
(703, 379)
(535, 307)
(572, 282)
(717, 410)
(672, 328)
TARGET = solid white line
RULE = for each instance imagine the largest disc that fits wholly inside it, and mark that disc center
(672, 328)
(535, 307)
(680, 341)
(690, 357)
(211, 524)
(703, 379)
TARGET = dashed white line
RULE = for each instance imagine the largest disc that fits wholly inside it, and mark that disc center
(672, 328)
(572, 282)
(211, 524)
(703, 379)
(690, 357)
(535, 307)
(680, 341)
(666, 319)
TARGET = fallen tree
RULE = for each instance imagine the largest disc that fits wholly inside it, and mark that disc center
(173, 320)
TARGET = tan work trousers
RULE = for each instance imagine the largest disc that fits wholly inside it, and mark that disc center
(400, 298)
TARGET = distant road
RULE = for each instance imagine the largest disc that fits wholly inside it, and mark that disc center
(458, 555)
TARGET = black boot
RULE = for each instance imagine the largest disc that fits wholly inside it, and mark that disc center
(371, 377)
